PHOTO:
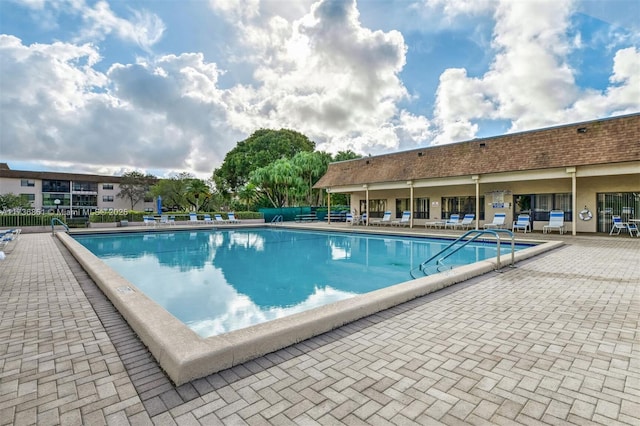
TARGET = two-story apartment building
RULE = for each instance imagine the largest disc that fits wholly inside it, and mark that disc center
(72, 194)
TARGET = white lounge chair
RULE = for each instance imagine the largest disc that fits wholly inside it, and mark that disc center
(207, 219)
(467, 221)
(498, 221)
(453, 221)
(405, 220)
(386, 219)
(523, 223)
(8, 236)
(193, 218)
(149, 221)
(349, 219)
(219, 219)
(618, 225)
(232, 218)
(556, 221)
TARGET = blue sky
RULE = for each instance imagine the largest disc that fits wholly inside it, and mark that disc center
(170, 86)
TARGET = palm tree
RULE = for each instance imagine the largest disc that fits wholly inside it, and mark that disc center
(197, 190)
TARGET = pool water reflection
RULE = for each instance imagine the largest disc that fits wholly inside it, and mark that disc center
(217, 281)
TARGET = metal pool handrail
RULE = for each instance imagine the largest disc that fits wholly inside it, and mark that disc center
(478, 233)
(53, 223)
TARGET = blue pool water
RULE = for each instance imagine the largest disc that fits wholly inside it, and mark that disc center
(217, 281)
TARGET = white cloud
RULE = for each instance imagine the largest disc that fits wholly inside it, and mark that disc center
(530, 82)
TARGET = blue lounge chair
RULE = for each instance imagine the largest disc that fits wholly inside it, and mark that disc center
(453, 221)
(386, 219)
(618, 225)
(207, 219)
(149, 221)
(467, 221)
(405, 220)
(232, 218)
(219, 219)
(556, 221)
(8, 236)
(498, 221)
(523, 223)
(193, 218)
(348, 219)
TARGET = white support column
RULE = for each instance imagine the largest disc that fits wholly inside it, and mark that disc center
(574, 201)
(410, 183)
(476, 179)
(366, 187)
(329, 206)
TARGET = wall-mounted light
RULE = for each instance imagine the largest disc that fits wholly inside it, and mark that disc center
(582, 130)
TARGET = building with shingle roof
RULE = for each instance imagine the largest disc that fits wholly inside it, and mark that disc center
(590, 167)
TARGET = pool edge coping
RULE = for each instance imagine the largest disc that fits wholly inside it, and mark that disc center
(185, 356)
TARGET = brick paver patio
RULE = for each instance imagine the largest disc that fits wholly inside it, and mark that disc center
(553, 341)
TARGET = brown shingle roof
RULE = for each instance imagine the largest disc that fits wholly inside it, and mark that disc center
(603, 141)
(24, 174)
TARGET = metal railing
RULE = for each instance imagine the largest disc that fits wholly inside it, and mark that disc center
(277, 219)
(460, 243)
(53, 225)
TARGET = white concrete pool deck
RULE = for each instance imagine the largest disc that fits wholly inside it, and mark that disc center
(553, 341)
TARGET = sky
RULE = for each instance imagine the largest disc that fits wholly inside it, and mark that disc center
(164, 86)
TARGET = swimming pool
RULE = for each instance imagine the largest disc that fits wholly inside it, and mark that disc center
(184, 355)
(217, 281)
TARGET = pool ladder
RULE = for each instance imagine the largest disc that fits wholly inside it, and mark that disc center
(59, 222)
(277, 219)
(461, 242)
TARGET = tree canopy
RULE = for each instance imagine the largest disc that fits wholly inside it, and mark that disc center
(134, 186)
(260, 149)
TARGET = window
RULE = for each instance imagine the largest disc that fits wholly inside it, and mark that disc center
(27, 182)
(49, 200)
(461, 206)
(108, 186)
(402, 204)
(421, 208)
(85, 186)
(29, 198)
(56, 186)
(107, 198)
(376, 207)
(623, 204)
(85, 200)
(538, 206)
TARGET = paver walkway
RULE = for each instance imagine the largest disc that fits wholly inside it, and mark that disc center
(553, 341)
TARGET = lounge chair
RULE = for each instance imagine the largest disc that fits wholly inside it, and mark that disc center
(348, 219)
(386, 219)
(172, 220)
(232, 218)
(207, 219)
(149, 221)
(556, 221)
(164, 220)
(193, 218)
(362, 220)
(8, 236)
(498, 221)
(618, 225)
(453, 221)
(523, 223)
(633, 227)
(405, 220)
(467, 221)
(219, 219)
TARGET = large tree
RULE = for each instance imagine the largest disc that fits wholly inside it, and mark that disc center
(280, 182)
(134, 186)
(260, 149)
(312, 166)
